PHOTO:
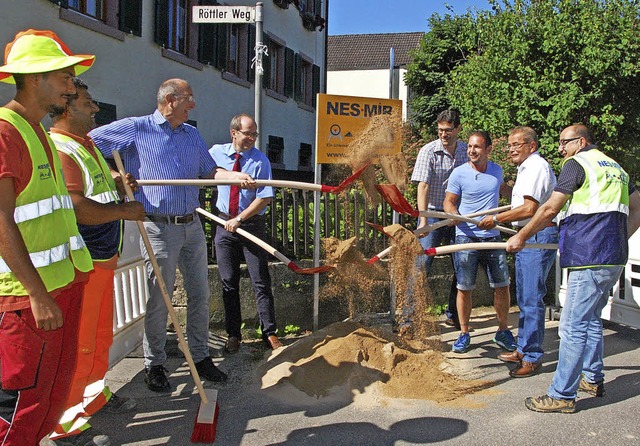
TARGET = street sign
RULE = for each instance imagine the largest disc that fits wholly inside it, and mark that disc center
(224, 14)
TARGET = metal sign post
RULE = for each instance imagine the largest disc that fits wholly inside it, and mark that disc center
(240, 14)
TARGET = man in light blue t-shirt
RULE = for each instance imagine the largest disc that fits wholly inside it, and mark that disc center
(473, 187)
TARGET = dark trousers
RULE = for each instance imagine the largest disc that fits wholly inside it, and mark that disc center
(230, 248)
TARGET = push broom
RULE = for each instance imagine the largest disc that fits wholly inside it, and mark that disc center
(204, 430)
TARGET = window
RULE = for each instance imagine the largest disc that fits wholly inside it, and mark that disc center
(113, 18)
(229, 48)
(94, 8)
(275, 150)
(304, 156)
(107, 113)
(307, 80)
(175, 32)
(274, 66)
(233, 53)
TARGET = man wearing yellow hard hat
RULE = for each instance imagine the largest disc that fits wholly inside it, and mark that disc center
(43, 259)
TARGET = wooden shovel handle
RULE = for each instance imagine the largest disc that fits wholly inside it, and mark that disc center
(163, 288)
(488, 245)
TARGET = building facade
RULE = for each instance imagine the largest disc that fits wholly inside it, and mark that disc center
(140, 43)
(361, 65)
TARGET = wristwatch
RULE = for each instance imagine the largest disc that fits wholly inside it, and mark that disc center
(495, 220)
(239, 219)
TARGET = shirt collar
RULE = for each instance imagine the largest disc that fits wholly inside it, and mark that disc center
(159, 119)
(86, 141)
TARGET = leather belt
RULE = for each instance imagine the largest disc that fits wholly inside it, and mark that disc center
(172, 219)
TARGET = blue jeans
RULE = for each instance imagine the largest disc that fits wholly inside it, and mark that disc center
(532, 269)
(181, 246)
(441, 236)
(581, 341)
(467, 262)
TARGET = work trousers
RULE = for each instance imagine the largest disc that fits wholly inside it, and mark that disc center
(37, 368)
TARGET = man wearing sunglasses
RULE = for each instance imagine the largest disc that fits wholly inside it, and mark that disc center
(599, 210)
(244, 208)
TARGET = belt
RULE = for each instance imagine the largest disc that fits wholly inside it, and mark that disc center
(172, 219)
(250, 219)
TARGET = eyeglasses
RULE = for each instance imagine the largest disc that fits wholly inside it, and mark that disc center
(516, 145)
(253, 135)
(187, 96)
(564, 142)
(447, 130)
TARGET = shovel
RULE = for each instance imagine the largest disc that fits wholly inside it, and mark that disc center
(274, 183)
(270, 249)
(394, 197)
(488, 245)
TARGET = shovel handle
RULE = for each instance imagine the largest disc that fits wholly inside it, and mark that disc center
(488, 245)
(163, 288)
(445, 222)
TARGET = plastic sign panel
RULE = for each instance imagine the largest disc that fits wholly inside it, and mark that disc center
(224, 14)
(340, 119)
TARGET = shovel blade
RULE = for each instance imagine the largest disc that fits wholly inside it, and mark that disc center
(396, 200)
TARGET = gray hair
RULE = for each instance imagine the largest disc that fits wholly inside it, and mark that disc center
(170, 86)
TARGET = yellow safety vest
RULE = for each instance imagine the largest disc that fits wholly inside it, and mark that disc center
(45, 217)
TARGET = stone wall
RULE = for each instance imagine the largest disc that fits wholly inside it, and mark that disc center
(294, 295)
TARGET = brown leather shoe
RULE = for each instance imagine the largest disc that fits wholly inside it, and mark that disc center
(232, 345)
(525, 369)
(274, 342)
(514, 356)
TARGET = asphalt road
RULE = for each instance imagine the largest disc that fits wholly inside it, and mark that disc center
(250, 416)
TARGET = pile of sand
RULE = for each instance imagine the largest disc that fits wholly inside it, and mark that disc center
(347, 362)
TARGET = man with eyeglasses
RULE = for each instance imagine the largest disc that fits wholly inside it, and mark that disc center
(434, 164)
(475, 187)
(534, 184)
(244, 208)
(599, 209)
(162, 145)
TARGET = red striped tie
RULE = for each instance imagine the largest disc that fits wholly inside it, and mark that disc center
(234, 193)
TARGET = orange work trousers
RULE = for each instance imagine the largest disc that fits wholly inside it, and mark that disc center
(94, 339)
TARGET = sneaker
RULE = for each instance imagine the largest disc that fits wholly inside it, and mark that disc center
(85, 438)
(595, 389)
(207, 370)
(118, 404)
(505, 339)
(545, 403)
(156, 379)
(462, 343)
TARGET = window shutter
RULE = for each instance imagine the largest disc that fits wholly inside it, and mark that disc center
(289, 72)
(266, 65)
(162, 23)
(130, 17)
(297, 69)
(61, 3)
(220, 45)
(318, 8)
(251, 52)
(315, 70)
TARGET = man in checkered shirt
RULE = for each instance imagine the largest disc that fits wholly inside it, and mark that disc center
(434, 164)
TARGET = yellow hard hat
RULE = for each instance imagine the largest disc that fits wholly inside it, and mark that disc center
(34, 51)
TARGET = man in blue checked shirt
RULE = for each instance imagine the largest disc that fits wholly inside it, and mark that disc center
(162, 145)
(244, 208)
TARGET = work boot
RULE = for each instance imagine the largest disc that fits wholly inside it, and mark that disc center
(547, 404)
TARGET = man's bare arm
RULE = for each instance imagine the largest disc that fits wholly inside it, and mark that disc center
(90, 212)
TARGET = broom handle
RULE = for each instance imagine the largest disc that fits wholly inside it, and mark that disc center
(205, 182)
(270, 249)
(163, 288)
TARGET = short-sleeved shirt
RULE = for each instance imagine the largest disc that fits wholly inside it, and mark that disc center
(478, 191)
(434, 165)
(151, 149)
(252, 162)
(536, 180)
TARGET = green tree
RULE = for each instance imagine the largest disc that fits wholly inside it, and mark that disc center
(549, 64)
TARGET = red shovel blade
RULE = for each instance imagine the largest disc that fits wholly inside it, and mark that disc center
(342, 186)
(394, 197)
(378, 228)
(318, 269)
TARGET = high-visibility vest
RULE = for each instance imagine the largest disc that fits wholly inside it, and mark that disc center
(103, 240)
(45, 217)
(593, 222)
